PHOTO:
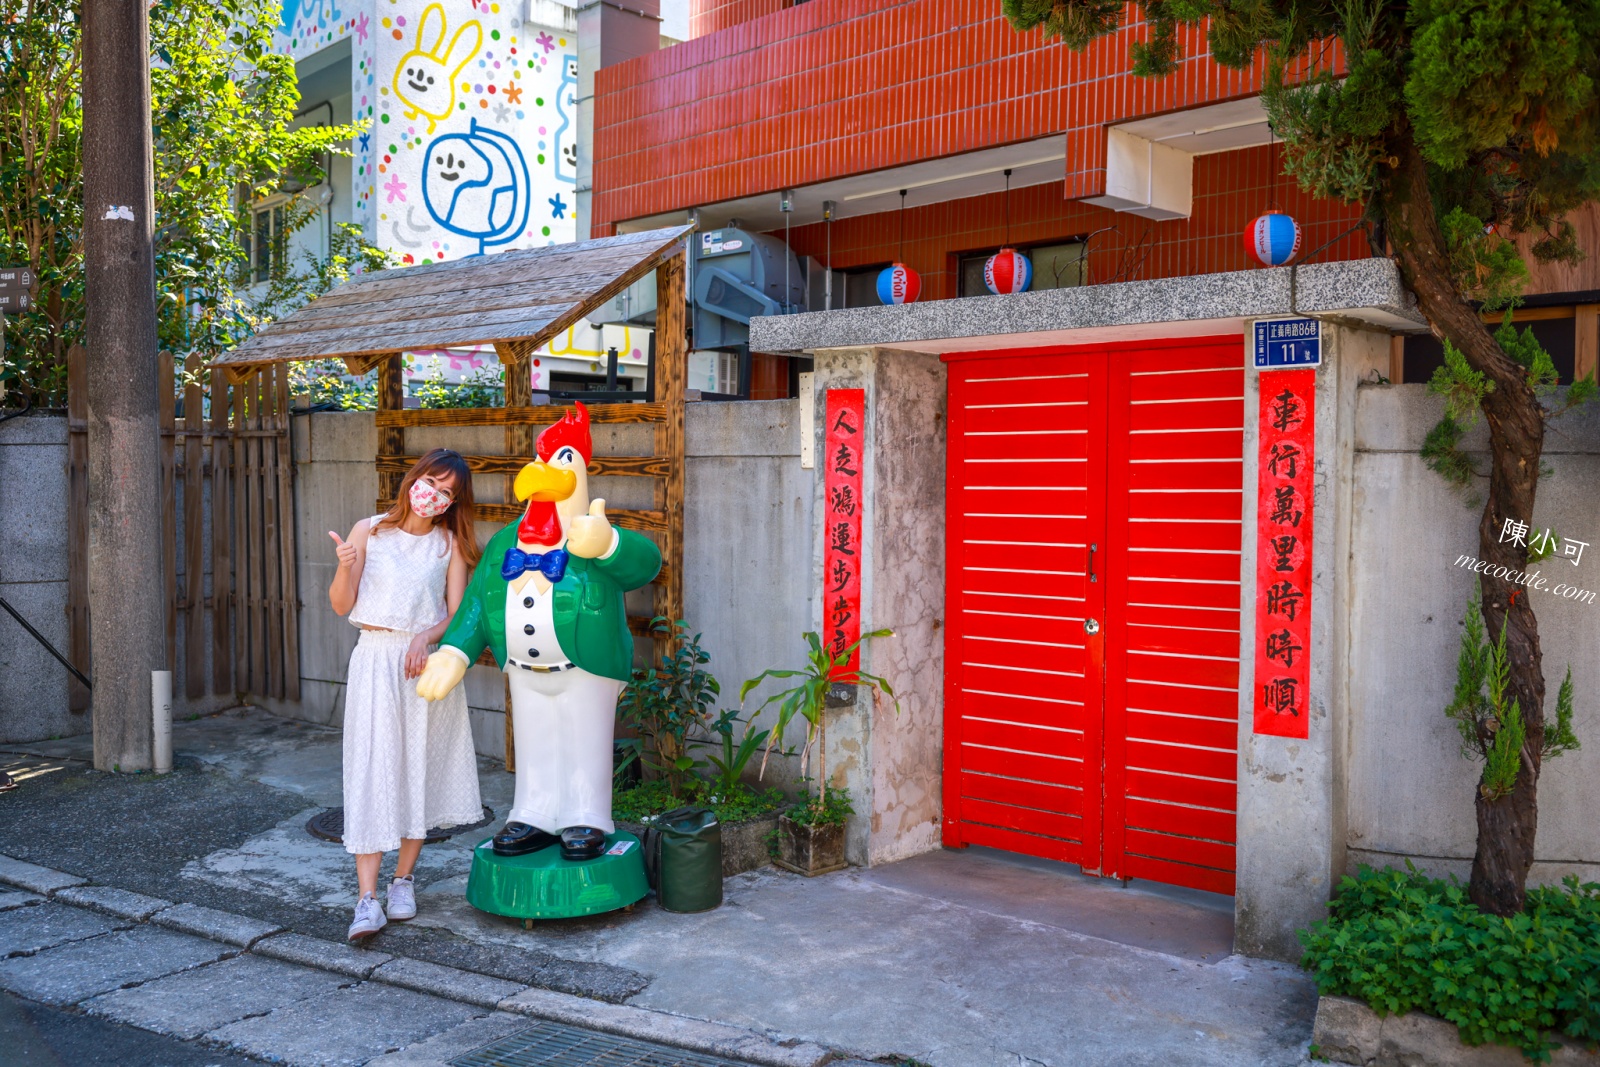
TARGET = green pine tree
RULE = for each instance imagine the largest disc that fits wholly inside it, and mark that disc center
(1461, 124)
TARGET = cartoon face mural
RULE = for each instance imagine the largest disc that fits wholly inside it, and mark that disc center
(475, 184)
(504, 91)
(425, 78)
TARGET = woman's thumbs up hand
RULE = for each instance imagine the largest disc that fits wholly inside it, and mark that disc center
(346, 551)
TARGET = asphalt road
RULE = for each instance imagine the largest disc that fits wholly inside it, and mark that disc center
(32, 1035)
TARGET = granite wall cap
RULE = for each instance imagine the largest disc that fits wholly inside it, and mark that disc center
(1366, 291)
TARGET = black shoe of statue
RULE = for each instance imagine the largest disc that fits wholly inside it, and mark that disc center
(518, 839)
(582, 843)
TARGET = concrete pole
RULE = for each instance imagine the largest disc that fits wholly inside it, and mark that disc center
(126, 590)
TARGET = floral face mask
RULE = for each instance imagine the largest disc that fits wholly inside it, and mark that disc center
(428, 501)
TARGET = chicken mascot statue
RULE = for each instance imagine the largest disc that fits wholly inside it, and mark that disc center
(547, 599)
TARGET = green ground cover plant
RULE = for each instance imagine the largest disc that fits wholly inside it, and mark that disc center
(649, 799)
(1401, 941)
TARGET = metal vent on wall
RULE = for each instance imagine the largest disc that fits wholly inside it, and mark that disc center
(558, 1045)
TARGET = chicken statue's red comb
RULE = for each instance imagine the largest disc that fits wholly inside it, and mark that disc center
(573, 429)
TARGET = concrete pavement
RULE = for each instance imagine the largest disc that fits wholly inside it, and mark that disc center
(959, 959)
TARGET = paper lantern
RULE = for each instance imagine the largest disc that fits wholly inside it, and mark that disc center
(1008, 271)
(899, 284)
(1273, 238)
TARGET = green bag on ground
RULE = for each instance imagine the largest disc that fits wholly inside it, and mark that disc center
(683, 858)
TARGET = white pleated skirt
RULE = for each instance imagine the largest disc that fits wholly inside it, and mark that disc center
(408, 764)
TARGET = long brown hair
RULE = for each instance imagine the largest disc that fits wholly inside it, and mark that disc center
(461, 517)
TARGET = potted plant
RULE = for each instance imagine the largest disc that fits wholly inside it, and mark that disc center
(663, 704)
(811, 836)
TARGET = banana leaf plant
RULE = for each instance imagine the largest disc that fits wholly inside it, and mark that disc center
(808, 699)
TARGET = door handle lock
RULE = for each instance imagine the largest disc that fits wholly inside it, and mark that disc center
(1092, 577)
(1091, 626)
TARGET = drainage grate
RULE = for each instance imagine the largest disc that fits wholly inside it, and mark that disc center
(558, 1045)
(329, 825)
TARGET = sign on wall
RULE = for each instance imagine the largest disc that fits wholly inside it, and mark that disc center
(843, 434)
(1285, 438)
(1288, 343)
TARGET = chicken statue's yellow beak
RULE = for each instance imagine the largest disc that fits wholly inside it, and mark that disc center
(540, 481)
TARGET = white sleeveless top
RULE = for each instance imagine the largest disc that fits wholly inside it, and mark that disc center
(403, 580)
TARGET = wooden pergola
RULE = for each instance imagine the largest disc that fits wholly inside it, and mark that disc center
(517, 302)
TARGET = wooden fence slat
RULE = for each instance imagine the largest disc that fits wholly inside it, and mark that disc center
(221, 540)
(253, 555)
(194, 560)
(272, 586)
(543, 415)
(391, 435)
(167, 393)
(239, 480)
(78, 697)
(288, 585)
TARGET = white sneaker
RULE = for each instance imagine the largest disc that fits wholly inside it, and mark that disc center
(369, 919)
(402, 899)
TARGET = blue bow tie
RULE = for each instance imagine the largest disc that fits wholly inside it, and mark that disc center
(551, 564)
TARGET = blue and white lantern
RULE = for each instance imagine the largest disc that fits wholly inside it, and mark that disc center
(1273, 238)
(899, 284)
(1008, 271)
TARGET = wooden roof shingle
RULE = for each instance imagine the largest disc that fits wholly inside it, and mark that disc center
(515, 301)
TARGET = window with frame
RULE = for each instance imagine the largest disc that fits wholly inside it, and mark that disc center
(268, 237)
(1055, 266)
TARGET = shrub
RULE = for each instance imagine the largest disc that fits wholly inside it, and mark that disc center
(652, 798)
(1404, 942)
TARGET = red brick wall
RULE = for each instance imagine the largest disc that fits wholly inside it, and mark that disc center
(830, 88)
(1230, 189)
(709, 16)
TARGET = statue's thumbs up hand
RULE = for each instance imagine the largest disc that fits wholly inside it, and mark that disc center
(589, 535)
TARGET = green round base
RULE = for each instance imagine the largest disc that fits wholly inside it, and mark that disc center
(542, 885)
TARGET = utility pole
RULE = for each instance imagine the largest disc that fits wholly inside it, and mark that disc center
(127, 627)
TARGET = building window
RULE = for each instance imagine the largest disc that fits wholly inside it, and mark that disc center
(268, 237)
(1055, 266)
(861, 286)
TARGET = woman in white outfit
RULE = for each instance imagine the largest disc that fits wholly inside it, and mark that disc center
(408, 764)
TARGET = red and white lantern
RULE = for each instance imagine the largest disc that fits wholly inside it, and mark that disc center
(899, 284)
(1008, 271)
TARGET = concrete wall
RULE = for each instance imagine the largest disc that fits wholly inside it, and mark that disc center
(747, 524)
(33, 579)
(1410, 793)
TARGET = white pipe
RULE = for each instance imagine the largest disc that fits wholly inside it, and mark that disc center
(161, 706)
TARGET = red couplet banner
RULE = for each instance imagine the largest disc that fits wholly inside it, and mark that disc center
(1286, 434)
(841, 559)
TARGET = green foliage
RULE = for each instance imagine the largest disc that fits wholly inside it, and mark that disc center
(1487, 267)
(479, 389)
(649, 799)
(832, 808)
(808, 698)
(1403, 942)
(1493, 729)
(1440, 452)
(222, 103)
(1560, 737)
(663, 704)
(1462, 387)
(729, 749)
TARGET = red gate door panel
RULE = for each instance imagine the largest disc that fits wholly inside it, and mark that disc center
(1099, 484)
(1174, 503)
(1023, 684)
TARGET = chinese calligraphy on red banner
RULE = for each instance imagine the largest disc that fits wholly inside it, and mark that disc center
(841, 557)
(1286, 436)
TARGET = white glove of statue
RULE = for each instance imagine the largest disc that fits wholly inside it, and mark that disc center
(589, 536)
(442, 674)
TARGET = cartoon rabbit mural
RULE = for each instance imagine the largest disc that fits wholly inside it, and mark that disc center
(425, 79)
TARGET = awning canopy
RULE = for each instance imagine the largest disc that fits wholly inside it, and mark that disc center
(515, 301)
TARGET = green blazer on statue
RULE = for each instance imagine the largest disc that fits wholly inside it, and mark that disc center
(591, 620)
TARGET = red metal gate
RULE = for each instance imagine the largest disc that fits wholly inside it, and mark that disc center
(1092, 651)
